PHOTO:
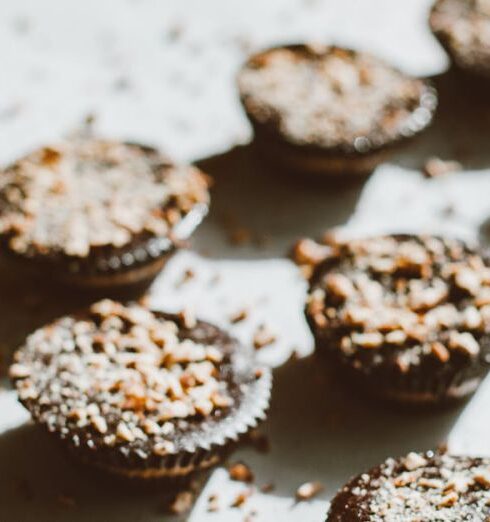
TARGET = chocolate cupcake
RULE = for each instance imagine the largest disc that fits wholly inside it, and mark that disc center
(420, 486)
(326, 110)
(138, 393)
(463, 29)
(98, 213)
(407, 317)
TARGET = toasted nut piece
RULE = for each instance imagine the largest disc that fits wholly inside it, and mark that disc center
(164, 448)
(308, 490)
(472, 318)
(440, 351)
(213, 503)
(309, 252)
(430, 483)
(357, 315)
(267, 487)
(414, 461)
(19, 371)
(99, 423)
(449, 500)
(483, 478)
(182, 502)
(188, 318)
(240, 472)
(263, 337)
(239, 316)
(396, 337)
(367, 340)
(468, 280)
(435, 167)
(241, 498)
(123, 432)
(340, 285)
(464, 342)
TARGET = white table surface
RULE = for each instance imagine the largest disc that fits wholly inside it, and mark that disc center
(162, 71)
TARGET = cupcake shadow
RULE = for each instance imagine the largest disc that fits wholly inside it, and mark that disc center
(39, 479)
(29, 301)
(318, 428)
(460, 127)
(258, 210)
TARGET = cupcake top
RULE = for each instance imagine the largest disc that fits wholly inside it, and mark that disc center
(123, 376)
(86, 194)
(333, 98)
(430, 486)
(463, 26)
(402, 300)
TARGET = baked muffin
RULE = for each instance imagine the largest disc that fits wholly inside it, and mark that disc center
(98, 213)
(406, 317)
(463, 29)
(138, 393)
(428, 486)
(326, 110)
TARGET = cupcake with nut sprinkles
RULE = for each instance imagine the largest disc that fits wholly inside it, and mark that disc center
(407, 317)
(96, 213)
(138, 393)
(420, 486)
(325, 110)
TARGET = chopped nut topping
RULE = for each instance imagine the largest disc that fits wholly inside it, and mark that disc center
(241, 498)
(309, 252)
(268, 487)
(164, 448)
(308, 490)
(449, 500)
(367, 340)
(416, 296)
(213, 503)
(340, 285)
(468, 280)
(188, 318)
(414, 461)
(241, 472)
(19, 371)
(440, 351)
(182, 502)
(435, 167)
(263, 337)
(483, 478)
(396, 337)
(464, 342)
(99, 424)
(124, 432)
(239, 316)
